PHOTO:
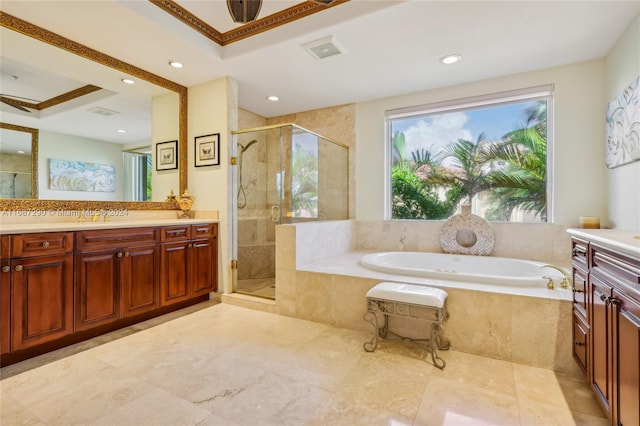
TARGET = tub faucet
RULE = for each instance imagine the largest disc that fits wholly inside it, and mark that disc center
(566, 280)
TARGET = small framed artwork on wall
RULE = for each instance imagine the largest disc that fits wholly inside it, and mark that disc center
(208, 150)
(167, 155)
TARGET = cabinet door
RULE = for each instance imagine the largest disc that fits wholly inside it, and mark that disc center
(601, 346)
(204, 272)
(580, 341)
(41, 300)
(5, 307)
(139, 280)
(96, 288)
(627, 335)
(174, 272)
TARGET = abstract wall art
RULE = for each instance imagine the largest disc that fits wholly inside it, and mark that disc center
(69, 175)
(623, 127)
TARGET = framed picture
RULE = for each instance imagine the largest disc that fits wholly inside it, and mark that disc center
(167, 155)
(208, 150)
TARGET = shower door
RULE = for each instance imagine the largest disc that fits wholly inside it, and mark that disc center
(258, 179)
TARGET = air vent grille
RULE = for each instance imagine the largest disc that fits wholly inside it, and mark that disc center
(324, 48)
(103, 111)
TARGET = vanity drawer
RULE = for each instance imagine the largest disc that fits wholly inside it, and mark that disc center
(579, 253)
(188, 232)
(41, 244)
(115, 238)
(205, 230)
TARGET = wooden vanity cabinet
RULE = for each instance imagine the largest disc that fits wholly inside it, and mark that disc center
(60, 288)
(41, 281)
(189, 262)
(613, 338)
(116, 275)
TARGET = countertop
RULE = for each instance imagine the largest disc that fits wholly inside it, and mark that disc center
(28, 228)
(624, 241)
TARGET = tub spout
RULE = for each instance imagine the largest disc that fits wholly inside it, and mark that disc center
(566, 280)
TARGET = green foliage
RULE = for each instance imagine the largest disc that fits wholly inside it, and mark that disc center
(304, 181)
(511, 172)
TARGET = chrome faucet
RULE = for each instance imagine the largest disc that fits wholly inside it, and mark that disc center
(566, 280)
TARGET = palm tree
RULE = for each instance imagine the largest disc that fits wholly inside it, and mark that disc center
(468, 171)
(522, 180)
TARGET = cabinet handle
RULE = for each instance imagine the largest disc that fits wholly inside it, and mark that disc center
(19, 268)
(119, 254)
(126, 254)
(6, 268)
(604, 298)
(45, 244)
(576, 343)
(578, 252)
(577, 290)
(614, 301)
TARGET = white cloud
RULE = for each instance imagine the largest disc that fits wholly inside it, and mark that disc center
(443, 129)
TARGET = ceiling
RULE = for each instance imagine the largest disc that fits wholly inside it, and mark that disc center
(393, 47)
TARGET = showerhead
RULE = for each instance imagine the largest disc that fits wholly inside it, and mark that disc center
(243, 148)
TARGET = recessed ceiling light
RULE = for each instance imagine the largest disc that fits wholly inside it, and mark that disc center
(176, 64)
(450, 59)
(273, 98)
(121, 131)
(127, 81)
(20, 151)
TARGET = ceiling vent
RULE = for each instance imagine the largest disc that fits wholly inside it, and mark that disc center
(324, 48)
(103, 111)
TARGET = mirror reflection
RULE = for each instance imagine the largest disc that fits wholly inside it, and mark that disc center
(97, 126)
(18, 154)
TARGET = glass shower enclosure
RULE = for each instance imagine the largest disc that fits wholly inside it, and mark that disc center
(283, 174)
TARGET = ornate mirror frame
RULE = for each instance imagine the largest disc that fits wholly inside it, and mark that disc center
(34, 152)
(38, 33)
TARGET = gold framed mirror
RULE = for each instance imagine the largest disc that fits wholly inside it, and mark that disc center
(42, 35)
(25, 144)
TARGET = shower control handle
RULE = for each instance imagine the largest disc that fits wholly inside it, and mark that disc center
(275, 214)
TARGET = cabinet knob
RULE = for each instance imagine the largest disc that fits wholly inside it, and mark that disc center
(576, 343)
(126, 254)
(190, 245)
(119, 254)
(45, 244)
(6, 268)
(19, 268)
(577, 290)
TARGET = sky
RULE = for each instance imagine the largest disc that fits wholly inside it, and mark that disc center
(437, 131)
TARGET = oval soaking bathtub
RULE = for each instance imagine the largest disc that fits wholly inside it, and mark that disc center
(456, 267)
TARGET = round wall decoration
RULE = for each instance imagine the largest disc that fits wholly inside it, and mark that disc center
(467, 233)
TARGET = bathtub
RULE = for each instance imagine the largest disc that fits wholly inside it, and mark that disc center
(455, 267)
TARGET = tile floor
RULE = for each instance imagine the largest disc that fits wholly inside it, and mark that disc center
(220, 364)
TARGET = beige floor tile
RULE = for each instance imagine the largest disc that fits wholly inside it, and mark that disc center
(535, 414)
(487, 373)
(385, 381)
(230, 366)
(553, 388)
(337, 411)
(272, 400)
(14, 413)
(154, 408)
(448, 402)
(89, 398)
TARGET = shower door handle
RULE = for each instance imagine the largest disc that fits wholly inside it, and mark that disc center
(275, 214)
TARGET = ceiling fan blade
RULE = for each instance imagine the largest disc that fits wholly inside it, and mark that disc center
(21, 108)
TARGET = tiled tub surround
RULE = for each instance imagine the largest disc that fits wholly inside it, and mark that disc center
(318, 278)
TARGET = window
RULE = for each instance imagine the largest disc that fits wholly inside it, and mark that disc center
(137, 171)
(489, 151)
